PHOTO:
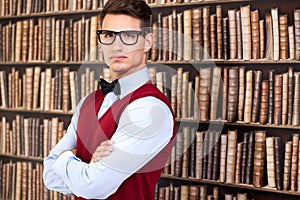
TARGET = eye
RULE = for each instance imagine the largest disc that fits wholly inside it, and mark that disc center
(107, 34)
(129, 34)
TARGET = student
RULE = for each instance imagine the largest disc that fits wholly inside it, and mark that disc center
(122, 134)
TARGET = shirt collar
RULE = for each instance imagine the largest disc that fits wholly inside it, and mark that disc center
(133, 81)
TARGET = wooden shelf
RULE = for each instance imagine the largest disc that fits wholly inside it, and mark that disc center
(21, 158)
(36, 112)
(231, 185)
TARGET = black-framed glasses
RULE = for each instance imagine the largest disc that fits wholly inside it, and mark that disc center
(129, 37)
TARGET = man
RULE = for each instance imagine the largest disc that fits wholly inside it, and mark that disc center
(133, 123)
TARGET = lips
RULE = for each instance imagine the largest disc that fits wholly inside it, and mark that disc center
(118, 58)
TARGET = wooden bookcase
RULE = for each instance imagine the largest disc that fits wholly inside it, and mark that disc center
(9, 155)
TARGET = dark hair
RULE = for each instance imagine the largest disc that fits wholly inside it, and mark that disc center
(136, 8)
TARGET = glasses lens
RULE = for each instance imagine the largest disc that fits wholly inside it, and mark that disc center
(129, 37)
(106, 37)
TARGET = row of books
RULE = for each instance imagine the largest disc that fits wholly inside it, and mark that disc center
(23, 180)
(50, 39)
(197, 34)
(194, 192)
(236, 94)
(19, 7)
(255, 159)
(48, 89)
(191, 35)
(29, 136)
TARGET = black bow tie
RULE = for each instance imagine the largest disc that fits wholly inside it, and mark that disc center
(109, 87)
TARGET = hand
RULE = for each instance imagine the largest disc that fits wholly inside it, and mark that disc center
(104, 149)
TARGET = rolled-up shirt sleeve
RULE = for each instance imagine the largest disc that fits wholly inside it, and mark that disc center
(145, 128)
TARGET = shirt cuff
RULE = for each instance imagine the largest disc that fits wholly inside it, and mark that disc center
(60, 165)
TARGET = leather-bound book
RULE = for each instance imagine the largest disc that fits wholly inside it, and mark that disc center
(294, 161)
(244, 157)
(36, 86)
(186, 155)
(174, 34)
(283, 37)
(178, 154)
(290, 95)
(261, 39)
(231, 156)
(196, 97)
(270, 155)
(275, 25)
(216, 156)
(271, 78)
(210, 152)
(213, 36)
(256, 95)
(179, 92)
(215, 92)
(277, 99)
(199, 154)
(225, 38)
(154, 49)
(229, 196)
(192, 152)
(193, 192)
(197, 33)
(291, 37)
(287, 165)
(233, 89)
(165, 38)
(255, 34)
(246, 31)
(248, 96)
(28, 88)
(206, 31)
(295, 117)
(269, 54)
(204, 97)
(159, 36)
(225, 92)
(285, 93)
(48, 40)
(232, 30)
(264, 102)
(203, 192)
(65, 89)
(259, 158)
(205, 154)
(297, 33)
(223, 157)
(250, 152)
(184, 98)
(25, 39)
(241, 97)
(238, 162)
(171, 37)
(239, 35)
(219, 32)
(187, 30)
(18, 48)
(278, 163)
(180, 36)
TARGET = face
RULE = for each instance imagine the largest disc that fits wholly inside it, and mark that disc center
(125, 59)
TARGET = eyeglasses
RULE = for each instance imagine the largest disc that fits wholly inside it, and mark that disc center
(127, 37)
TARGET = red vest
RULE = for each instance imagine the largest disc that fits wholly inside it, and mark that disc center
(90, 131)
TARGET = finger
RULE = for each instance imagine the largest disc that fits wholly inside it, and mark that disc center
(107, 143)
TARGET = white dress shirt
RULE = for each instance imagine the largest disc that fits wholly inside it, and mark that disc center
(144, 128)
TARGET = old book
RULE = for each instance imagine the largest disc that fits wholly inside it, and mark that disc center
(206, 32)
(246, 31)
(255, 34)
(213, 36)
(296, 99)
(187, 31)
(216, 155)
(278, 99)
(275, 25)
(244, 157)
(264, 102)
(232, 30)
(184, 92)
(250, 156)
(180, 36)
(199, 154)
(287, 165)
(205, 154)
(179, 92)
(197, 33)
(285, 93)
(29, 88)
(219, 32)
(210, 153)
(290, 94)
(3, 89)
(256, 95)
(262, 39)
(269, 54)
(297, 33)
(225, 38)
(225, 92)
(231, 156)
(270, 155)
(165, 38)
(248, 96)
(93, 38)
(259, 158)
(154, 50)
(278, 163)
(186, 154)
(238, 162)
(178, 154)
(204, 97)
(239, 35)
(65, 89)
(215, 92)
(271, 77)
(192, 152)
(241, 96)
(291, 37)
(294, 161)
(196, 97)
(25, 39)
(283, 37)
(233, 89)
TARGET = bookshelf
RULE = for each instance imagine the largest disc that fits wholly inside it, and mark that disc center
(43, 121)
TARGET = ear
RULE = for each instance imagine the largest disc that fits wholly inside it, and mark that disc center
(148, 42)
